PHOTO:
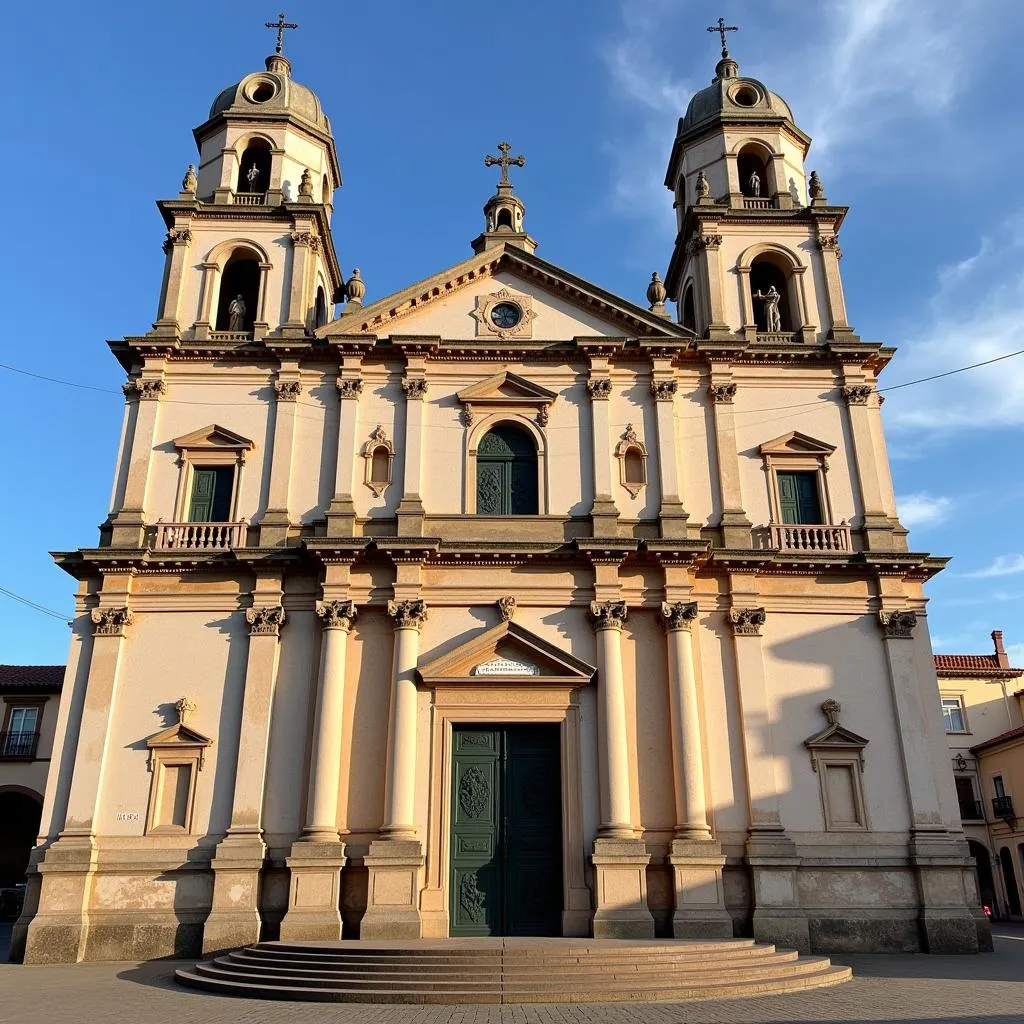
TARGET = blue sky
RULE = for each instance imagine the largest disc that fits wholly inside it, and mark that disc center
(917, 125)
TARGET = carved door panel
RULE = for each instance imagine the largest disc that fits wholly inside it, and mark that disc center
(506, 833)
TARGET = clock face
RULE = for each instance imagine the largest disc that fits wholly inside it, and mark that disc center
(506, 315)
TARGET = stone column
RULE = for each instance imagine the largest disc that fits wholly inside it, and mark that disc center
(305, 246)
(831, 253)
(604, 514)
(176, 246)
(277, 518)
(771, 853)
(410, 508)
(734, 524)
(234, 917)
(341, 513)
(876, 526)
(396, 859)
(129, 521)
(672, 517)
(706, 247)
(945, 919)
(317, 858)
(620, 859)
(59, 932)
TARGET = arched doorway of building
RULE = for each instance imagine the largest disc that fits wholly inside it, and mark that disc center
(986, 881)
(20, 811)
(1010, 881)
(506, 473)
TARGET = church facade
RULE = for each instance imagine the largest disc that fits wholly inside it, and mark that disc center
(502, 605)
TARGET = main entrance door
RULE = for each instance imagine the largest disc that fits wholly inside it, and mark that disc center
(506, 840)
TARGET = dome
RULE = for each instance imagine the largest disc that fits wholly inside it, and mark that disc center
(733, 96)
(272, 92)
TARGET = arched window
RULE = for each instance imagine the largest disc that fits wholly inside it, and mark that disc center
(254, 168)
(506, 473)
(320, 309)
(239, 292)
(325, 192)
(1010, 881)
(756, 181)
(505, 219)
(769, 272)
(689, 310)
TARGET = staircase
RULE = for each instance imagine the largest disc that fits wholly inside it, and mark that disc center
(510, 971)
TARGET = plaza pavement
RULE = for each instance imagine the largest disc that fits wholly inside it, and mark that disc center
(984, 989)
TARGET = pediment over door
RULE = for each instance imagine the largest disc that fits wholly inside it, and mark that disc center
(503, 654)
(506, 391)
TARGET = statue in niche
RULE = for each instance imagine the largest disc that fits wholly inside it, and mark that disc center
(251, 176)
(772, 317)
(236, 314)
(754, 184)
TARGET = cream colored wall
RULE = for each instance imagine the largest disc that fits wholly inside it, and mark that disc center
(381, 402)
(31, 774)
(988, 712)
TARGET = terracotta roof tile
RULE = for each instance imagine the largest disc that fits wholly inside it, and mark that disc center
(48, 678)
(948, 665)
(1011, 735)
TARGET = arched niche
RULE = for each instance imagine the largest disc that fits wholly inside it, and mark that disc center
(378, 458)
(505, 467)
(239, 291)
(688, 308)
(254, 167)
(232, 268)
(320, 307)
(325, 191)
(631, 454)
(754, 158)
(768, 265)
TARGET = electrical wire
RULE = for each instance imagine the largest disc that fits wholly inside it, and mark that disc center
(36, 607)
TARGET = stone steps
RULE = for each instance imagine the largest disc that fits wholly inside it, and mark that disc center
(510, 971)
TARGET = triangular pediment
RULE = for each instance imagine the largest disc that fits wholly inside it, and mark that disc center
(213, 436)
(795, 443)
(506, 388)
(178, 735)
(836, 737)
(506, 654)
(600, 313)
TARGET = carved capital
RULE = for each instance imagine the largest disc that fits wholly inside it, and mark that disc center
(467, 415)
(148, 390)
(701, 242)
(600, 389)
(543, 416)
(664, 390)
(179, 236)
(680, 615)
(829, 243)
(306, 238)
(747, 621)
(265, 621)
(288, 390)
(506, 608)
(415, 388)
(724, 393)
(111, 621)
(857, 394)
(898, 625)
(408, 614)
(337, 614)
(608, 614)
(350, 387)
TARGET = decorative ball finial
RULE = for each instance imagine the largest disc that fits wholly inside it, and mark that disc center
(703, 188)
(190, 181)
(306, 185)
(816, 188)
(355, 288)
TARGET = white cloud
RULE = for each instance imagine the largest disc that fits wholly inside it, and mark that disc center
(1015, 652)
(1004, 565)
(923, 509)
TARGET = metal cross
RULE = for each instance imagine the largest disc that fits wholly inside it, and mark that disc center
(721, 28)
(281, 25)
(504, 162)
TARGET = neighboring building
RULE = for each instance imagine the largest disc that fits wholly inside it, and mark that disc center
(982, 704)
(29, 696)
(502, 604)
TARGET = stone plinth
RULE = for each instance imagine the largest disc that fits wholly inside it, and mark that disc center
(392, 897)
(699, 894)
(234, 918)
(621, 869)
(314, 892)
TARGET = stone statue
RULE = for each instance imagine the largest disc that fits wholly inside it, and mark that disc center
(772, 318)
(251, 176)
(236, 314)
(703, 188)
(817, 190)
(189, 182)
(754, 184)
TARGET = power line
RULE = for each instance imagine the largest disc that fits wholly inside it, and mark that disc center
(36, 607)
(949, 373)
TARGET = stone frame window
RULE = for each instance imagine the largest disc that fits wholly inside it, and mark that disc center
(837, 757)
(631, 454)
(209, 448)
(378, 461)
(176, 757)
(796, 452)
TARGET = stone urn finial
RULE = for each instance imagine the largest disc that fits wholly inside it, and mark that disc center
(656, 295)
(816, 189)
(185, 707)
(189, 182)
(355, 288)
(306, 185)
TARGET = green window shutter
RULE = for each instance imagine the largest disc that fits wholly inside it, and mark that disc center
(788, 504)
(204, 484)
(798, 498)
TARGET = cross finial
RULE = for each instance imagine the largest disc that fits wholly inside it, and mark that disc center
(505, 162)
(721, 28)
(280, 25)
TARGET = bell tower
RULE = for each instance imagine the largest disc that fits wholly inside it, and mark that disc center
(504, 211)
(249, 248)
(757, 253)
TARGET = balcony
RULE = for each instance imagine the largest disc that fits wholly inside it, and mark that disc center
(971, 810)
(199, 536)
(776, 338)
(230, 335)
(811, 538)
(1002, 807)
(18, 746)
(751, 203)
(250, 199)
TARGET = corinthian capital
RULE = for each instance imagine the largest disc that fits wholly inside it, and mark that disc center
(288, 390)
(337, 614)
(265, 621)
(148, 390)
(350, 387)
(415, 388)
(679, 615)
(408, 614)
(898, 625)
(608, 614)
(600, 389)
(111, 621)
(664, 390)
(747, 621)
(857, 394)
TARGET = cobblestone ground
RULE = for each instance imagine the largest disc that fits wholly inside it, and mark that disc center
(985, 989)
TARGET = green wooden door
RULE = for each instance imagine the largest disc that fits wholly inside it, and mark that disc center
(798, 498)
(506, 841)
(204, 485)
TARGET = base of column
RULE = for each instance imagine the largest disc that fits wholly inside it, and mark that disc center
(604, 518)
(946, 923)
(341, 517)
(314, 892)
(410, 514)
(778, 917)
(234, 917)
(699, 894)
(735, 529)
(621, 910)
(393, 889)
(128, 529)
(59, 929)
(274, 528)
(672, 520)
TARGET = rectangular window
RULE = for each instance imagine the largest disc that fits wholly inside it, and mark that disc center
(173, 800)
(970, 805)
(998, 787)
(210, 500)
(840, 784)
(798, 497)
(20, 738)
(953, 713)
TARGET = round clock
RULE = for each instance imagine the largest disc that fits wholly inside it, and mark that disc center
(506, 315)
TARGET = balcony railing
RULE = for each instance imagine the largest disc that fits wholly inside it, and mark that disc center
(18, 746)
(199, 536)
(230, 335)
(750, 203)
(250, 199)
(971, 810)
(1002, 807)
(808, 537)
(776, 337)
